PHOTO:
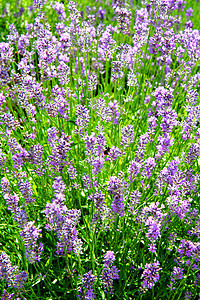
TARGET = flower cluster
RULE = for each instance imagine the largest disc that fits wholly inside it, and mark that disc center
(63, 221)
(11, 274)
(109, 272)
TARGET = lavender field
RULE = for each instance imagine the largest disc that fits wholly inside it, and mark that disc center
(99, 150)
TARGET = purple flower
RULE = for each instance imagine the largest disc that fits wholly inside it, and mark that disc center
(92, 82)
(5, 185)
(60, 9)
(127, 135)
(114, 111)
(109, 258)
(86, 290)
(72, 172)
(106, 46)
(132, 79)
(117, 72)
(177, 274)
(114, 153)
(20, 216)
(189, 12)
(12, 201)
(193, 154)
(124, 19)
(26, 191)
(11, 274)
(144, 139)
(116, 188)
(165, 142)
(109, 272)
(87, 181)
(154, 228)
(30, 234)
(97, 164)
(39, 3)
(149, 164)
(9, 121)
(135, 200)
(83, 117)
(63, 221)
(134, 169)
(150, 276)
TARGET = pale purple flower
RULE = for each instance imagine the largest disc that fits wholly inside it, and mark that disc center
(11, 274)
(127, 135)
(148, 164)
(109, 272)
(134, 169)
(150, 276)
(86, 290)
(30, 235)
(60, 9)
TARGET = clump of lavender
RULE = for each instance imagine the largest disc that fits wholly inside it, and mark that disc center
(63, 221)
(116, 188)
(150, 276)
(177, 274)
(83, 118)
(86, 290)
(11, 274)
(30, 235)
(124, 19)
(109, 272)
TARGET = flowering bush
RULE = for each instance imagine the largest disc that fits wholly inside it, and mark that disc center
(99, 150)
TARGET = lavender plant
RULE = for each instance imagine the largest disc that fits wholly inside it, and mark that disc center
(99, 150)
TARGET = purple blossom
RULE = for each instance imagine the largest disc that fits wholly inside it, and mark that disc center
(135, 197)
(165, 142)
(63, 221)
(117, 73)
(92, 82)
(83, 117)
(124, 19)
(97, 164)
(177, 274)
(109, 258)
(39, 3)
(148, 164)
(102, 111)
(60, 9)
(114, 111)
(114, 153)
(150, 275)
(189, 12)
(5, 185)
(72, 172)
(109, 272)
(133, 169)
(12, 201)
(20, 216)
(26, 191)
(9, 121)
(144, 139)
(11, 274)
(132, 79)
(106, 46)
(87, 181)
(86, 290)
(127, 135)
(30, 234)
(115, 187)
